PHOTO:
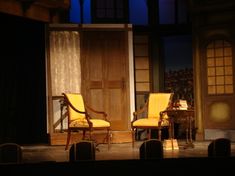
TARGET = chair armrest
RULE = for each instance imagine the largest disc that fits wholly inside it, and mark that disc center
(139, 111)
(162, 114)
(97, 112)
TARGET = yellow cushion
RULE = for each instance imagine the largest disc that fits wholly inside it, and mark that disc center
(83, 123)
(149, 122)
(79, 119)
(100, 123)
(79, 123)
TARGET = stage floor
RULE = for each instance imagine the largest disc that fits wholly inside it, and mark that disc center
(118, 151)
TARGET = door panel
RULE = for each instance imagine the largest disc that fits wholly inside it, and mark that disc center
(218, 90)
(219, 113)
(105, 74)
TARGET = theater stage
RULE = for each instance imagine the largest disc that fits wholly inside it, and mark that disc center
(118, 151)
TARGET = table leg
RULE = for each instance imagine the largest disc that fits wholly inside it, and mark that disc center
(174, 143)
(189, 140)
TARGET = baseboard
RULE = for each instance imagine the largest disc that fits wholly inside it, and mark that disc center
(59, 138)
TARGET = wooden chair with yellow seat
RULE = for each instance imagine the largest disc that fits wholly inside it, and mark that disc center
(152, 117)
(80, 119)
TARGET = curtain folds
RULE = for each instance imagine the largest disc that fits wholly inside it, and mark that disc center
(65, 62)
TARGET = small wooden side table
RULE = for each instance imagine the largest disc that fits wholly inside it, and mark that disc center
(181, 116)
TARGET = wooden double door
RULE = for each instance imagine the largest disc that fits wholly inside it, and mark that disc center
(105, 75)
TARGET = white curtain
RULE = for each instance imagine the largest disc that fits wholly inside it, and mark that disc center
(65, 62)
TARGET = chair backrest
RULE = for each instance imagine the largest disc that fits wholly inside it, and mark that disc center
(158, 102)
(75, 100)
(10, 153)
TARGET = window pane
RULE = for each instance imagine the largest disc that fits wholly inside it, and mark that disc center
(228, 80)
(210, 62)
(141, 39)
(210, 45)
(210, 52)
(218, 52)
(142, 75)
(219, 71)
(141, 63)
(228, 89)
(228, 51)
(110, 4)
(228, 61)
(211, 80)
(142, 87)
(211, 71)
(100, 13)
(119, 3)
(229, 70)
(141, 50)
(119, 13)
(110, 13)
(100, 3)
(211, 90)
(220, 89)
(219, 80)
(219, 61)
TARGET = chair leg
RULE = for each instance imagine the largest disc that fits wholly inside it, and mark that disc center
(90, 135)
(83, 134)
(68, 140)
(148, 134)
(108, 138)
(133, 137)
(159, 134)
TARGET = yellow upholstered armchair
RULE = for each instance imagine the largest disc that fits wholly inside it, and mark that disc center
(80, 119)
(153, 118)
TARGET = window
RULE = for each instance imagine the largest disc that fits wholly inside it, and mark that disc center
(219, 67)
(142, 69)
(110, 11)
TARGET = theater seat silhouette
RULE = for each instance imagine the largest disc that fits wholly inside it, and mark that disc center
(151, 149)
(10, 153)
(84, 150)
(220, 147)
